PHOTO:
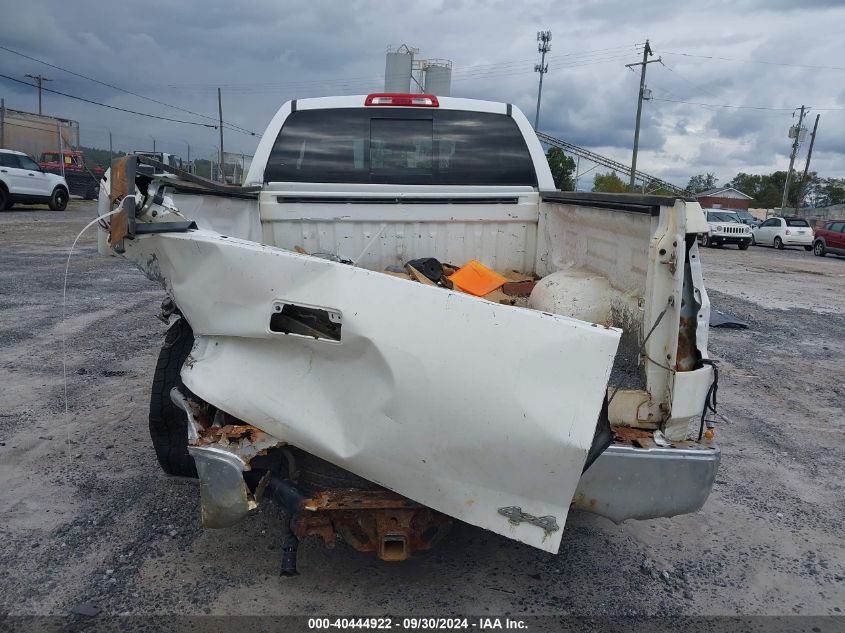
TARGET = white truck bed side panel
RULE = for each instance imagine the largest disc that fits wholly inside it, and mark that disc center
(502, 236)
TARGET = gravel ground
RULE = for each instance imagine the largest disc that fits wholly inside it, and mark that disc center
(86, 516)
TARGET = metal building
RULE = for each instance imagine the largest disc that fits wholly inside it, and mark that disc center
(438, 77)
(397, 69)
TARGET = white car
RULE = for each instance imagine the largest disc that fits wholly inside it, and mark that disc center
(22, 180)
(726, 227)
(784, 231)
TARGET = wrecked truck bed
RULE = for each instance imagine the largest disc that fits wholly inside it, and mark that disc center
(378, 408)
(468, 407)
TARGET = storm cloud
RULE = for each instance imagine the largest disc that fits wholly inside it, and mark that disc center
(262, 53)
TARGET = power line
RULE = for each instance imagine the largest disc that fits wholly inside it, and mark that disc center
(118, 88)
(757, 61)
(740, 107)
(691, 83)
(105, 105)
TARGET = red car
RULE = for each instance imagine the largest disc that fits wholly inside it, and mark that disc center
(830, 238)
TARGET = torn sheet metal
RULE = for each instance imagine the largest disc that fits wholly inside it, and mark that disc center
(461, 404)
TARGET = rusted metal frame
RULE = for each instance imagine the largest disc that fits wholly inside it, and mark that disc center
(124, 172)
(378, 521)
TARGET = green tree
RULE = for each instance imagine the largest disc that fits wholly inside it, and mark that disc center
(766, 189)
(563, 169)
(609, 183)
(825, 192)
(94, 156)
(701, 182)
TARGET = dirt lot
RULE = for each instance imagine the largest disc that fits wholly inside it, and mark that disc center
(96, 521)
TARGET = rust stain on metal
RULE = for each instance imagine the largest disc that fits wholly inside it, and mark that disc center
(686, 356)
(119, 184)
(629, 434)
(119, 227)
(231, 433)
(377, 521)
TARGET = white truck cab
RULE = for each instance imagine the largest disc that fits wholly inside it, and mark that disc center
(378, 408)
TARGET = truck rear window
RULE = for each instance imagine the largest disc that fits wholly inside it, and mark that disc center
(400, 145)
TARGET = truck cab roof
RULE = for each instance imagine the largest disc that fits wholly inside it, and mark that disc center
(382, 105)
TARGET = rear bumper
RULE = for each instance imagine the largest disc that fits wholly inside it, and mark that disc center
(798, 240)
(636, 483)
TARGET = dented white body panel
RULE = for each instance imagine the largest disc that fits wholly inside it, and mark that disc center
(458, 403)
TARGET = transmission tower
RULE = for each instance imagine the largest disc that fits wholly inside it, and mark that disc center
(543, 37)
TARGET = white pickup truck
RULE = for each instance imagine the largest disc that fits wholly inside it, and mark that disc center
(377, 409)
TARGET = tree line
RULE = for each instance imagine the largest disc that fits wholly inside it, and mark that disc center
(766, 190)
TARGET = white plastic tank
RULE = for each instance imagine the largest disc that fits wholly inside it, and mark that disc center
(438, 77)
(397, 71)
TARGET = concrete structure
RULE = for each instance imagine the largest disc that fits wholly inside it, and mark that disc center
(724, 198)
(34, 133)
(438, 77)
(397, 69)
(815, 215)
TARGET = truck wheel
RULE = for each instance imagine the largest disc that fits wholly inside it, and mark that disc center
(818, 249)
(705, 241)
(808, 248)
(743, 246)
(168, 426)
(753, 241)
(90, 192)
(5, 199)
(778, 243)
(58, 199)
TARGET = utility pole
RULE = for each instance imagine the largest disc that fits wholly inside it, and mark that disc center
(800, 200)
(40, 79)
(544, 37)
(2, 123)
(646, 53)
(221, 171)
(111, 153)
(795, 145)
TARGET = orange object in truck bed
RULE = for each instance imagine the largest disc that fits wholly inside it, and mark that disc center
(476, 279)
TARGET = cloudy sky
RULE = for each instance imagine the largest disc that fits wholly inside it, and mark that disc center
(773, 55)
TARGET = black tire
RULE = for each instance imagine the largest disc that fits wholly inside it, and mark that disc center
(808, 248)
(819, 249)
(168, 426)
(705, 241)
(778, 243)
(743, 246)
(753, 241)
(58, 199)
(90, 192)
(5, 199)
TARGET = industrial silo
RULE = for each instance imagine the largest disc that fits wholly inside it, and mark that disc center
(397, 70)
(438, 77)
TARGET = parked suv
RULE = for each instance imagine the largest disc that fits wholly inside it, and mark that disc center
(784, 231)
(746, 218)
(830, 238)
(22, 180)
(725, 228)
